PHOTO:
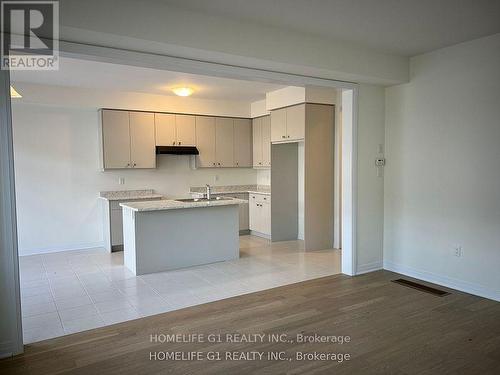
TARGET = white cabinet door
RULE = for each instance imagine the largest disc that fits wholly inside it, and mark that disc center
(254, 214)
(224, 142)
(116, 227)
(142, 140)
(278, 125)
(165, 129)
(205, 141)
(266, 141)
(242, 143)
(257, 141)
(265, 217)
(115, 139)
(185, 127)
(295, 122)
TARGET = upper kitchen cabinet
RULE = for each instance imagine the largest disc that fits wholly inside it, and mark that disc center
(205, 141)
(127, 139)
(175, 130)
(224, 142)
(242, 143)
(261, 142)
(185, 129)
(288, 124)
(266, 141)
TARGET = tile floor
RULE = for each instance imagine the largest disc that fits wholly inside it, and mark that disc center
(73, 291)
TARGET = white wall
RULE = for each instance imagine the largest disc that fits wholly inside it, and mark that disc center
(442, 181)
(370, 186)
(58, 181)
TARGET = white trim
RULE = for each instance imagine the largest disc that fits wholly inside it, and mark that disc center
(12, 343)
(369, 267)
(449, 282)
(179, 64)
(349, 180)
(59, 248)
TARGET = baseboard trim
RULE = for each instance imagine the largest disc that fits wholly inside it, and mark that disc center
(259, 234)
(56, 249)
(369, 267)
(6, 349)
(463, 286)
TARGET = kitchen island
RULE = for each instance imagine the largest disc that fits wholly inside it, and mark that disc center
(170, 234)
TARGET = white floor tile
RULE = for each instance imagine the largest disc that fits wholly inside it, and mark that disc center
(41, 333)
(68, 303)
(77, 313)
(37, 309)
(78, 290)
(118, 316)
(107, 306)
(83, 324)
(50, 319)
(112, 295)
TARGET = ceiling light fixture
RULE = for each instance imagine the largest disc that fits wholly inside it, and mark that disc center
(14, 93)
(183, 91)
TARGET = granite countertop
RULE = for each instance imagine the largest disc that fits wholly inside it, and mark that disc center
(129, 194)
(234, 189)
(169, 204)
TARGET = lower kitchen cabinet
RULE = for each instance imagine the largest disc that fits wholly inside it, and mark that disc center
(260, 214)
(113, 223)
(243, 208)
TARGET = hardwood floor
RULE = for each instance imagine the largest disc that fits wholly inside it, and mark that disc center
(393, 329)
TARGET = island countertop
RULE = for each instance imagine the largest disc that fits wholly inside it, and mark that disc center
(170, 204)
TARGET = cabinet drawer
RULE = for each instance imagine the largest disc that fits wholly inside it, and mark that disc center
(260, 198)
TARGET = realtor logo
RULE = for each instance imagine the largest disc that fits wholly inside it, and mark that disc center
(30, 35)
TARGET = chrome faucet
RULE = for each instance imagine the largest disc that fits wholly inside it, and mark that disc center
(209, 192)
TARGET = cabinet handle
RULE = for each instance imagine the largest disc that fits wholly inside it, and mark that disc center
(128, 165)
(288, 137)
(173, 143)
(283, 136)
(134, 165)
(218, 163)
(214, 163)
(179, 143)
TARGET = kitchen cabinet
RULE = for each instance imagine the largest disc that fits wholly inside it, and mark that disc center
(127, 139)
(242, 142)
(261, 129)
(175, 130)
(243, 210)
(224, 142)
(266, 141)
(205, 141)
(114, 139)
(112, 215)
(142, 140)
(260, 214)
(288, 124)
(185, 126)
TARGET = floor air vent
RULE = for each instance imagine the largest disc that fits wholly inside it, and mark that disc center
(422, 288)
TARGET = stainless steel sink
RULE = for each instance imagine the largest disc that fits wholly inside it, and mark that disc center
(203, 199)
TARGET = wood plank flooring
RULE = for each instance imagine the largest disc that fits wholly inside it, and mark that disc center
(393, 330)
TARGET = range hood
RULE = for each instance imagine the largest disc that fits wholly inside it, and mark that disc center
(176, 150)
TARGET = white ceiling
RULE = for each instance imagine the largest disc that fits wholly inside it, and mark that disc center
(106, 76)
(402, 27)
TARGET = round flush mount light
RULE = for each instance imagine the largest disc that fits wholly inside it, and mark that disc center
(183, 91)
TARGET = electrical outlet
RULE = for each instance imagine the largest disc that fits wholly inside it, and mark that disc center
(458, 251)
(121, 181)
